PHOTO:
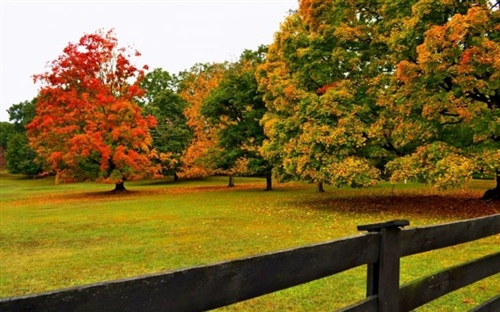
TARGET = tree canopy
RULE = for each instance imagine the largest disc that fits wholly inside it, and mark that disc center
(453, 86)
(348, 93)
(315, 89)
(358, 90)
(87, 124)
(236, 108)
(195, 85)
(171, 135)
(20, 157)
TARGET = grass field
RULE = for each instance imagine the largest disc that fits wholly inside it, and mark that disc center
(55, 236)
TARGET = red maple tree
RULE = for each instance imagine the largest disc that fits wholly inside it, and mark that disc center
(87, 125)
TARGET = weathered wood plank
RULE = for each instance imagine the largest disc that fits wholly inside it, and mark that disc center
(382, 277)
(492, 305)
(377, 227)
(388, 270)
(370, 304)
(203, 288)
(427, 238)
(424, 290)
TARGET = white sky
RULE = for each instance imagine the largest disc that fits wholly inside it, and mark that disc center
(173, 35)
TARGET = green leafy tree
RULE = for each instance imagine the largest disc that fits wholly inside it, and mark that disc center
(171, 135)
(236, 107)
(20, 157)
(22, 113)
(6, 131)
(315, 80)
(280, 96)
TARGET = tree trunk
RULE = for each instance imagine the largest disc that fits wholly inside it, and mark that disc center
(120, 187)
(176, 177)
(493, 194)
(231, 181)
(320, 187)
(269, 182)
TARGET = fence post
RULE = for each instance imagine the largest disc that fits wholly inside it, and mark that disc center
(383, 276)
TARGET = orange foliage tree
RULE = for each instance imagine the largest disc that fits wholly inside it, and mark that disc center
(87, 125)
(194, 88)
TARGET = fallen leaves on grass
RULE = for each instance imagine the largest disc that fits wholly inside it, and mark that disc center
(429, 205)
(417, 201)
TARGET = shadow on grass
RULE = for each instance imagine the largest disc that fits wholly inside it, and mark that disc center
(137, 193)
(429, 205)
(380, 200)
(160, 182)
(109, 194)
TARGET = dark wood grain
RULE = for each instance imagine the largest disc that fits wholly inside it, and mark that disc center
(388, 270)
(209, 287)
(427, 289)
(421, 239)
(370, 304)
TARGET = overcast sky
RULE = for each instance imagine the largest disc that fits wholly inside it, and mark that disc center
(173, 35)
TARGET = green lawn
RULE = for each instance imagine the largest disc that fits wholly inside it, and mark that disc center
(55, 236)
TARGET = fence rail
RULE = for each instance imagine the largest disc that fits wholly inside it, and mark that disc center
(217, 285)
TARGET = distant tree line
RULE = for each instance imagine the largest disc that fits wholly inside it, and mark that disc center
(347, 94)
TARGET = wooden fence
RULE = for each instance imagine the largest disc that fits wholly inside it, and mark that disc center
(213, 286)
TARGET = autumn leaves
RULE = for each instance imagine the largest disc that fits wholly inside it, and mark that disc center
(358, 90)
(348, 93)
(87, 125)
